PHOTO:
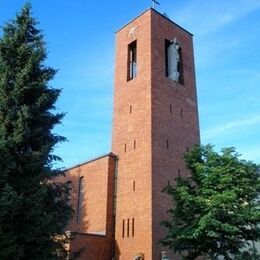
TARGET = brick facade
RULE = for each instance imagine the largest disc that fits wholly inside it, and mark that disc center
(134, 164)
(174, 118)
(155, 123)
(95, 225)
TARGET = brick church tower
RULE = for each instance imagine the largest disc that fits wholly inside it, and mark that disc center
(118, 197)
(155, 123)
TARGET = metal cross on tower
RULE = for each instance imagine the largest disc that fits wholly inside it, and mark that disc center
(155, 2)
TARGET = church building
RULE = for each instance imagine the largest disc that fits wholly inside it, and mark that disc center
(118, 197)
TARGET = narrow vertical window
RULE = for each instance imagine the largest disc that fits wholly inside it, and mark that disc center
(132, 60)
(80, 199)
(187, 149)
(128, 227)
(168, 183)
(167, 144)
(133, 185)
(125, 148)
(133, 227)
(123, 228)
(130, 109)
(134, 144)
(179, 173)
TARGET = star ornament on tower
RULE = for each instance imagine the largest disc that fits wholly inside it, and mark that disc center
(132, 32)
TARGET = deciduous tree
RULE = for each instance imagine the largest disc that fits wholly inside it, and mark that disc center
(215, 210)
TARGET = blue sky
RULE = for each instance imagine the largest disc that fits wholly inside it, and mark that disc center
(80, 40)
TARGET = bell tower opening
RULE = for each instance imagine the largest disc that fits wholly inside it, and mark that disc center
(174, 61)
(132, 60)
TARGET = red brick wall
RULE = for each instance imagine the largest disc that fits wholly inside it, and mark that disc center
(97, 214)
(150, 124)
(134, 164)
(94, 247)
(178, 124)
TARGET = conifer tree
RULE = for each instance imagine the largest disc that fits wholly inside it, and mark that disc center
(216, 210)
(34, 209)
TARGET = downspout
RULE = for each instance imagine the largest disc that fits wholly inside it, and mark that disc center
(115, 200)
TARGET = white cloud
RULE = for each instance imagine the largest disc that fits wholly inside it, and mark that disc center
(251, 153)
(205, 19)
(211, 52)
(214, 14)
(209, 20)
(231, 127)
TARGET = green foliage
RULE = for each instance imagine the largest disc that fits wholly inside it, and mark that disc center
(215, 210)
(248, 254)
(34, 207)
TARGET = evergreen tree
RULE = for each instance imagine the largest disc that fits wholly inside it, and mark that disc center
(215, 210)
(34, 209)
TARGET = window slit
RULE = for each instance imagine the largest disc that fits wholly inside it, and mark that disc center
(133, 227)
(80, 199)
(123, 228)
(128, 223)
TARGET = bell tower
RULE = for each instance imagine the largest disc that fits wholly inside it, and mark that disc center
(155, 123)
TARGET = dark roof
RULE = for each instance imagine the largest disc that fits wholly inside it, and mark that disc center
(92, 160)
(166, 18)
